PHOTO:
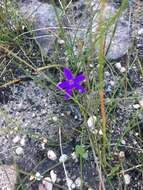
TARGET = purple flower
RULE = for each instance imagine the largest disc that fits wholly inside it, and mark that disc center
(71, 83)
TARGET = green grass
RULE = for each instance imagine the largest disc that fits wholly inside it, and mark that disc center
(103, 147)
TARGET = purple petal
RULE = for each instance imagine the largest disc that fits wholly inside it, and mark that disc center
(68, 74)
(79, 78)
(63, 84)
(79, 88)
(68, 93)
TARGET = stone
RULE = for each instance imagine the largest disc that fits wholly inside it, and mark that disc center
(127, 179)
(47, 182)
(78, 15)
(51, 155)
(8, 177)
(44, 22)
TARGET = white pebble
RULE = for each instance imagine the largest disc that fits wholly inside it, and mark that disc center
(107, 74)
(78, 182)
(63, 158)
(16, 139)
(140, 31)
(32, 177)
(91, 122)
(53, 176)
(23, 27)
(19, 151)
(141, 103)
(51, 155)
(112, 83)
(69, 182)
(73, 186)
(60, 41)
(127, 179)
(123, 69)
(123, 142)
(48, 183)
(118, 65)
(74, 156)
(43, 146)
(55, 118)
(121, 155)
(22, 141)
(136, 106)
(100, 132)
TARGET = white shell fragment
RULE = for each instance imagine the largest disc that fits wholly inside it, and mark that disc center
(22, 141)
(140, 31)
(63, 158)
(118, 65)
(16, 139)
(69, 182)
(51, 155)
(91, 123)
(19, 150)
(55, 118)
(123, 142)
(121, 155)
(78, 182)
(123, 70)
(127, 179)
(48, 183)
(74, 156)
(53, 176)
(100, 132)
(136, 106)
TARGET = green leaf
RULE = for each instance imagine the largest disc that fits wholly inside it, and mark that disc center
(80, 151)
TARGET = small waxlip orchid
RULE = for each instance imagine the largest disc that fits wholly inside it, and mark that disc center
(71, 83)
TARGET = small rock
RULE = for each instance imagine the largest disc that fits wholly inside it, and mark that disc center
(100, 132)
(91, 123)
(43, 146)
(55, 118)
(51, 155)
(140, 31)
(69, 182)
(123, 142)
(19, 150)
(47, 182)
(118, 65)
(16, 139)
(123, 70)
(136, 106)
(60, 41)
(63, 158)
(32, 177)
(45, 141)
(107, 74)
(127, 179)
(74, 156)
(22, 141)
(73, 186)
(112, 83)
(53, 176)
(78, 182)
(121, 155)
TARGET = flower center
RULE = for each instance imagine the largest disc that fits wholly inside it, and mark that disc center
(71, 82)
